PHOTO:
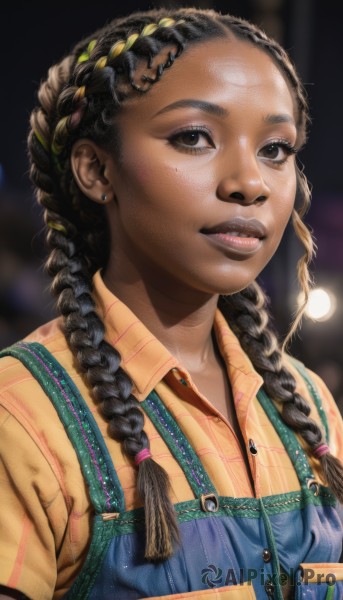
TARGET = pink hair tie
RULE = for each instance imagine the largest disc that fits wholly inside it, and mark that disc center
(321, 450)
(142, 455)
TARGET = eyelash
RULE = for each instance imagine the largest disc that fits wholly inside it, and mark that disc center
(190, 149)
(288, 148)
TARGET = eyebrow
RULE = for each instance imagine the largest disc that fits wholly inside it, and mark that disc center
(208, 107)
(219, 111)
(282, 118)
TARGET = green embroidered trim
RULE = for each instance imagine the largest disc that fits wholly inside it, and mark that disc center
(288, 438)
(315, 395)
(179, 445)
(300, 500)
(105, 490)
(133, 520)
(101, 539)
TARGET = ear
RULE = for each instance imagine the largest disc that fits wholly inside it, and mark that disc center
(90, 164)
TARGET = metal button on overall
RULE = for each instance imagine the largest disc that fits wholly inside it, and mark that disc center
(269, 587)
(313, 485)
(209, 502)
(266, 555)
(210, 505)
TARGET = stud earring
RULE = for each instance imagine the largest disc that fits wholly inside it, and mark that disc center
(104, 197)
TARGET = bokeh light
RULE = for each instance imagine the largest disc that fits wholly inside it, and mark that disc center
(321, 304)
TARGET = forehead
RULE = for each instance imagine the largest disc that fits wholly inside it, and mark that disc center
(219, 71)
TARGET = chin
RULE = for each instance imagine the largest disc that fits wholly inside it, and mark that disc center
(226, 286)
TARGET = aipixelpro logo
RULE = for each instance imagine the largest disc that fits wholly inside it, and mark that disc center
(212, 576)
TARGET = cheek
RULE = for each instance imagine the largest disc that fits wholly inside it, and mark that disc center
(289, 197)
(142, 172)
(285, 198)
(151, 167)
(137, 191)
(162, 190)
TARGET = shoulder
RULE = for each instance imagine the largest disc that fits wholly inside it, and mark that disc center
(310, 385)
(28, 418)
(22, 400)
(25, 392)
(43, 492)
(13, 373)
(324, 409)
(49, 335)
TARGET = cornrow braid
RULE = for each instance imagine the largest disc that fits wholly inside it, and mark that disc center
(80, 98)
(69, 122)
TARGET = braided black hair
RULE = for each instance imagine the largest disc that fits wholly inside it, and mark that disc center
(80, 98)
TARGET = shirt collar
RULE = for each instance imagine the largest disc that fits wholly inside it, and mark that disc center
(143, 357)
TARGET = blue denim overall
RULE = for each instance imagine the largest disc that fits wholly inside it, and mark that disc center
(231, 548)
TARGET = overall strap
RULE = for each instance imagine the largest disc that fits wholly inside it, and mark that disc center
(105, 490)
(291, 443)
(185, 455)
(293, 447)
(181, 449)
(312, 388)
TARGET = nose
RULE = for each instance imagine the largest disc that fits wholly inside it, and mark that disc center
(242, 179)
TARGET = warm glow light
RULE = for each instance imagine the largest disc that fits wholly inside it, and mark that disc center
(321, 304)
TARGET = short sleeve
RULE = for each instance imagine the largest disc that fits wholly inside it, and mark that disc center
(29, 496)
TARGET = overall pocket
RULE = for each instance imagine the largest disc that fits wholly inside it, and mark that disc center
(320, 581)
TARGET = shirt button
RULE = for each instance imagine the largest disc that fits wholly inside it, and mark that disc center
(269, 587)
(266, 555)
(252, 447)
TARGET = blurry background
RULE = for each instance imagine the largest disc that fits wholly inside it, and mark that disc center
(34, 35)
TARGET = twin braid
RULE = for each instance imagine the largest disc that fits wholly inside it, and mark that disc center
(79, 99)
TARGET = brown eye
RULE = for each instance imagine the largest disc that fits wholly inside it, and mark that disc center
(277, 152)
(192, 140)
(189, 138)
(272, 151)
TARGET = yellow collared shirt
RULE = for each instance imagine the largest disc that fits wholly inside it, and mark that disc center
(45, 513)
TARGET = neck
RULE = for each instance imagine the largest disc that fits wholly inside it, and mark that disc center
(180, 318)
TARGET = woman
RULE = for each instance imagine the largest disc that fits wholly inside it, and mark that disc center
(165, 446)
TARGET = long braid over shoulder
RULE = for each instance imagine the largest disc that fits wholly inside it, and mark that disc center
(80, 99)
